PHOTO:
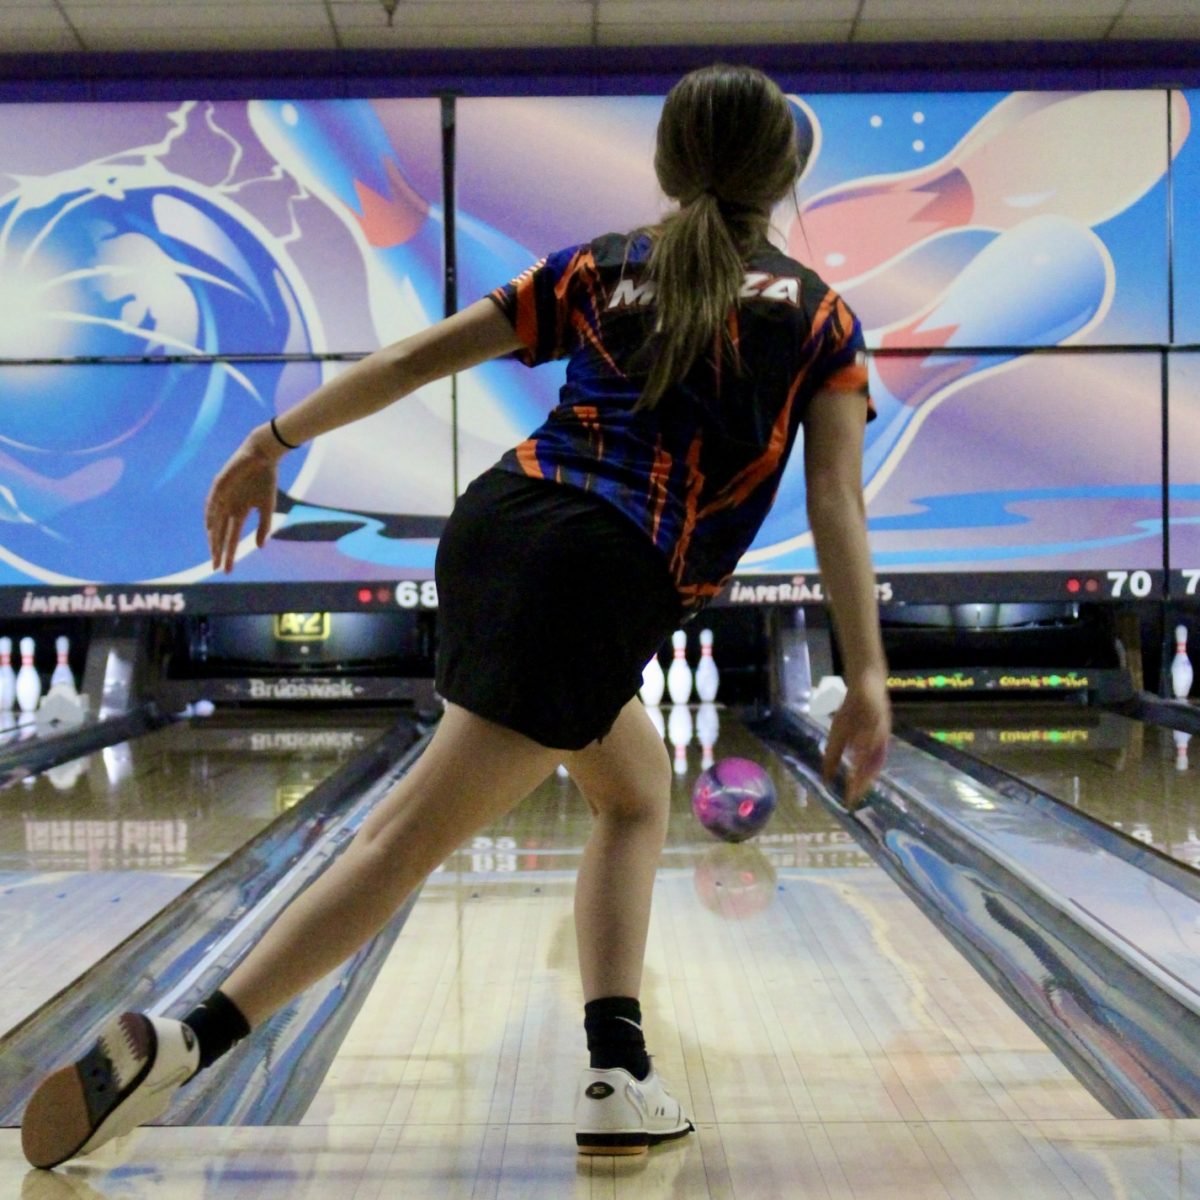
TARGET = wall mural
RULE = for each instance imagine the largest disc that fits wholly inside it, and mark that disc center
(172, 275)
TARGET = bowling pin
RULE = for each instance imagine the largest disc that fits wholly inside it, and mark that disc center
(62, 676)
(1181, 748)
(708, 678)
(1181, 666)
(679, 676)
(680, 728)
(1024, 158)
(653, 683)
(29, 682)
(8, 678)
(708, 729)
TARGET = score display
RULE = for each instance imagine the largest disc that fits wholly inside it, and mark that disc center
(953, 588)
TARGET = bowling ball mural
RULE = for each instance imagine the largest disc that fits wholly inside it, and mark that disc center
(121, 262)
(735, 881)
(167, 283)
(991, 223)
(734, 799)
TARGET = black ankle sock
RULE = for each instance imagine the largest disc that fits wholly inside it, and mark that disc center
(613, 1026)
(218, 1025)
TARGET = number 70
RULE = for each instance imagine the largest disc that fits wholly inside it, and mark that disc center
(1139, 582)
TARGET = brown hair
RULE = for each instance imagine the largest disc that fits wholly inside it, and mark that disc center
(726, 151)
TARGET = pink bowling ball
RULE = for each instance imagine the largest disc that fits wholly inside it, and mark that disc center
(734, 799)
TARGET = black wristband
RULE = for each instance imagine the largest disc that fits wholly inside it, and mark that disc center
(279, 436)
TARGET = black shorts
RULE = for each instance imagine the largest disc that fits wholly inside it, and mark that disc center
(550, 602)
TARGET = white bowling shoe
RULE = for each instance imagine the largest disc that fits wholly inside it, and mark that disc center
(618, 1114)
(127, 1078)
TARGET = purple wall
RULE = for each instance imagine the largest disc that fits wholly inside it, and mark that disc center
(604, 70)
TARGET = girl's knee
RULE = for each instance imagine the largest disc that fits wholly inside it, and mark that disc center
(649, 801)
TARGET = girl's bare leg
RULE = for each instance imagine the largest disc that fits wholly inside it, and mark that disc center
(472, 772)
(626, 780)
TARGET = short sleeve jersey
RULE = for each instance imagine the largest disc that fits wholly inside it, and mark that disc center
(698, 471)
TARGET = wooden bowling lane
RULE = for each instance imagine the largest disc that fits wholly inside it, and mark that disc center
(92, 849)
(826, 1039)
(1139, 778)
(824, 1036)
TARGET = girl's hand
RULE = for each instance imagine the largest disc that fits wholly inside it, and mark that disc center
(249, 480)
(860, 729)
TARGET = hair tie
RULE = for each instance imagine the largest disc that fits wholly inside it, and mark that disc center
(704, 191)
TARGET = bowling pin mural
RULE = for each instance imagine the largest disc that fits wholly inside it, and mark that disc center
(29, 682)
(1030, 157)
(8, 678)
(1033, 154)
(1045, 282)
(341, 154)
(1022, 162)
(654, 682)
(708, 678)
(679, 675)
(1181, 665)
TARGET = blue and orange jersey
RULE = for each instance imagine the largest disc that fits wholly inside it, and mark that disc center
(698, 471)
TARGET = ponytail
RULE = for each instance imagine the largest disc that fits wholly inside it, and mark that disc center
(697, 270)
(726, 149)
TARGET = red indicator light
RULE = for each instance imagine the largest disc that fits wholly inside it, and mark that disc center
(1093, 585)
(1072, 585)
(365, 595)
(383, 595)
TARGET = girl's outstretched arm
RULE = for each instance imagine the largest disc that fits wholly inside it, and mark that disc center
(248, 481)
